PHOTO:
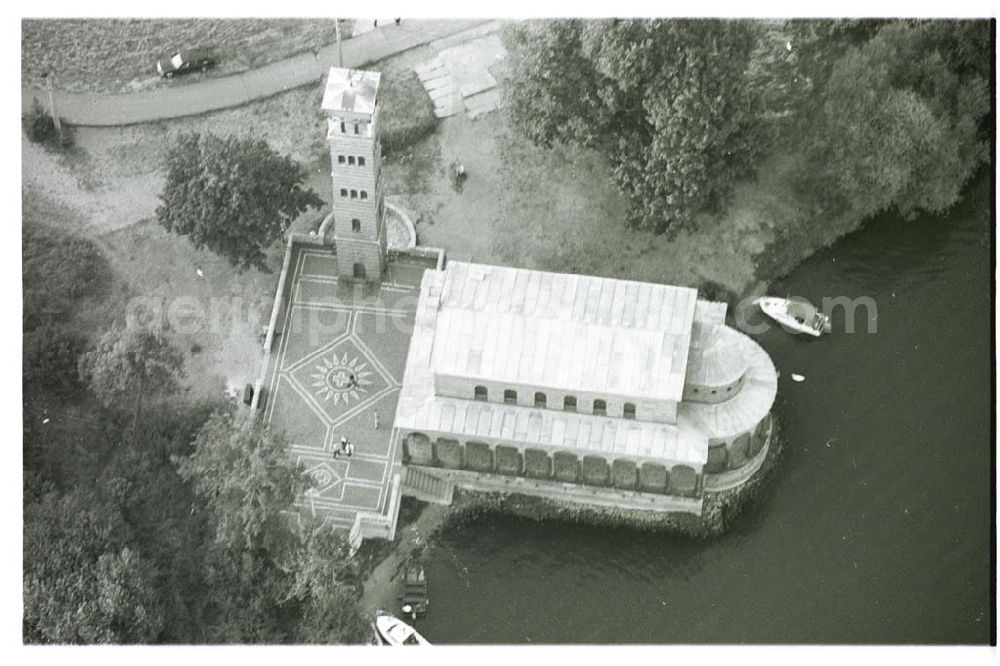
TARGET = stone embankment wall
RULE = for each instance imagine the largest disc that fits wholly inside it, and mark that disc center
(720, 509)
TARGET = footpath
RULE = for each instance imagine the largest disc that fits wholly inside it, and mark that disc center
(182, 99)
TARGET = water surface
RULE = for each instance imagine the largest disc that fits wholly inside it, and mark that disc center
(877, 529)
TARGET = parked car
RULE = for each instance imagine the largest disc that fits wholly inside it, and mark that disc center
(185, 61)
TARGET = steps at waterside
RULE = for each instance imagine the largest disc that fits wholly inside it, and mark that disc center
(426, 486)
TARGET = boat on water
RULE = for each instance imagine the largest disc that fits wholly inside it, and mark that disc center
(414, 599)
(796, 315)
(390, 630)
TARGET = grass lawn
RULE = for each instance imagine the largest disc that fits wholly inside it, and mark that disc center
(560, 210)
(222, 347)
(118, 55)
(107, 189)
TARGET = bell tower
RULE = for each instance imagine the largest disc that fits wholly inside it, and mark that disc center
(350, 103)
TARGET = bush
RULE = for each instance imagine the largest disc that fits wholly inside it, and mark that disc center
(38, 124)
(57, 269)
(50, 357)
(720, 293)
(41, 128)
(407, 111)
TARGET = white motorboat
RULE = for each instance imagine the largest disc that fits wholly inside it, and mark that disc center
(391, 630)
(796, 315)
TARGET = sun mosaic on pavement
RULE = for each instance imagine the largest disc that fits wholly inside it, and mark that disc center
(337, 360)
(341, 379)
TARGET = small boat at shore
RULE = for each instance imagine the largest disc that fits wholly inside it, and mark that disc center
(390, 630)
(414, 599)
(795, 315)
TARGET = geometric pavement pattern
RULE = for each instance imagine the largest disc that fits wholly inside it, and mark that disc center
(332, 367)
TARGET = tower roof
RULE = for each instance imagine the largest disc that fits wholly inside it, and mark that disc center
(351, 90)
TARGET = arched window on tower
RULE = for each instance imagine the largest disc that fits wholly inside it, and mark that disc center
(343, 191)
(600, 408)
(629, 411)
(364, 195)
(355, 225)
(480, 393)
(355, 128)
(510, 396)
(540, 400)
(350, 160)
(354, 194)
(343, 128)
(569, 403)
(340, 159)
(361, 161)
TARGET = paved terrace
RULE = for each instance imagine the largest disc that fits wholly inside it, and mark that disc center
(324, 333)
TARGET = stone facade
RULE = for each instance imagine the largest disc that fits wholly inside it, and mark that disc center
(561, 466)
(351, 106)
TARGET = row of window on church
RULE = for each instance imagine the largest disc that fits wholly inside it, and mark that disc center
(353, 193)
(599, 407)
(350, 160)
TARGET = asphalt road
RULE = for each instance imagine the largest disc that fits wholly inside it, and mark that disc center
(188, 99)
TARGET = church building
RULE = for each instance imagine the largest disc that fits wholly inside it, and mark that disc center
(603, 392)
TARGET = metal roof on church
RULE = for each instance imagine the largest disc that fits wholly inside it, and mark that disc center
(563, 331)
(718, 355)
(746, 408)
(419, 409)
(351, 90)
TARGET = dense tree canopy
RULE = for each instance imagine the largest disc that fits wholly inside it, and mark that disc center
(247, 480)
(324, 586)
(82, 584)
(128, 363)
(880, 113)
(183, 534)
(57, 270)
(232, 195)
(50, 356)
(900, 124)
(667, 102)
(272, 581)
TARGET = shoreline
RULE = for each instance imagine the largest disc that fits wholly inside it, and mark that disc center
(721, 509)
(721, 512)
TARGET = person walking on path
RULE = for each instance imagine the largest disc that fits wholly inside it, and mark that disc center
(344, 448)
(378, 421)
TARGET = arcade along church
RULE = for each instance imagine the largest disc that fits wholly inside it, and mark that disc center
(613, 394)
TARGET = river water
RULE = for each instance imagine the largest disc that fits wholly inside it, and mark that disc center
(877, 528)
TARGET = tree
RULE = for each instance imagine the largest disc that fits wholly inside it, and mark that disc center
(247, 481)
(234, 196)
(270, 578)
(324, 586)
(57, 271)
(130, 362)
(666, 101)
(50, 357)
(82, 583)
(901, 121)
(41, 128)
